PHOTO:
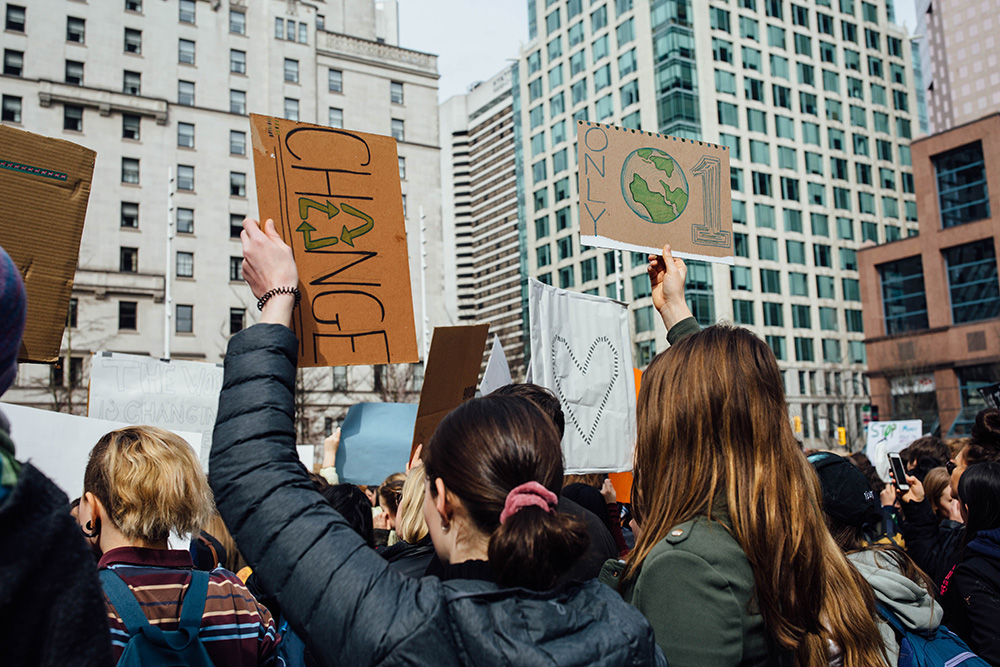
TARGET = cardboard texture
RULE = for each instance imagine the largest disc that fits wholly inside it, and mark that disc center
(886, 437)
(451, 376)
(172, 394)
(43, 181)
(59, 444)
(335, 198)
(374, 441)
(640, 191)
(582, 351)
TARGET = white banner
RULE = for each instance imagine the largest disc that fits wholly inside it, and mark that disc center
(582, 351)
(497, 373)
(174, 394)
(886, 437)
(59, 444)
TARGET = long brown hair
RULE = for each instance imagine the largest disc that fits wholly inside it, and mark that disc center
(482, 450)
(713, 429)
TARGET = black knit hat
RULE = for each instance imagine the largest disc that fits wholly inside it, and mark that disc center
(847, 494)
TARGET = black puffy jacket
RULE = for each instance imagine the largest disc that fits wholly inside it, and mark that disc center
(345, 601)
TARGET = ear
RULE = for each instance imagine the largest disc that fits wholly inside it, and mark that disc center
(441, 501)
(93, 508)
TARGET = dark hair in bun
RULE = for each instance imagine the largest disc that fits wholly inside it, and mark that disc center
(985, 444)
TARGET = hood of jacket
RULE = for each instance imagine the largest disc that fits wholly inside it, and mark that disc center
(912, 605)
(581, 624)
(986, 543)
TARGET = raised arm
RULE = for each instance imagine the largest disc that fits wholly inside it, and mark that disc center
(666, 278)
(334, 590)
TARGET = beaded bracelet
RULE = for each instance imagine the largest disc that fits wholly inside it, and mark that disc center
(279, 290)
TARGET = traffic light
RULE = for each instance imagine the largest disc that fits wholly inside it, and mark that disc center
(841, 436)
(798, 424)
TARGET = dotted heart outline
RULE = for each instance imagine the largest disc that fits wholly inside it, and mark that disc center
(583, 369)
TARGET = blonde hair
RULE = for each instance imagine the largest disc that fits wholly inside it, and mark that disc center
(410, 524)
(150, 483)
(935, 483)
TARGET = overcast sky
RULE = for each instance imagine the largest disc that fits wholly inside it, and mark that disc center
(474, 38)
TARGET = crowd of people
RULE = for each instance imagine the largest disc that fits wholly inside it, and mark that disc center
(736, 548)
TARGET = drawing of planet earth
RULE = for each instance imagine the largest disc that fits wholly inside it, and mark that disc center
(654, 186)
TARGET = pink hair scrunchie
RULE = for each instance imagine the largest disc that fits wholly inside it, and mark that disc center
(527, 495)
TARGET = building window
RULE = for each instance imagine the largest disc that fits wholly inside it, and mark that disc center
(74, 73)
(237, 61)
(238, 102)
(75, 29)
(185, 51)
(402, 167)
(73, 118)
(291, 70)
(237, 142)
(743, 312)
(128, 260)
(185, 265)
(291, 109)
(185, 135)
(804, 349)
(11, 109)
(185, 177)
(831, 350)
(131, 83)
(237, 184)
(237, 22)
(773, 316)
(130, 126)
(130, 215)
(961, 180)
(336, 81)
(187, 11)
(235, 225)
(13, 62)
(185, 93)
(72, 313)
(185, 221)
(903, 296)
(340, 378)
(15, 18)
(130, 170)
(235, 268)
(801, 316)
(972, 281)
(396, 92)
(336, 117)
(398, 130)
(127, 315)
(133, 41)
(698, 292)
(185, 319)
(643, 319)
(237, 317)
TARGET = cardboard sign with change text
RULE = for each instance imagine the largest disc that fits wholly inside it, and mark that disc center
(44, 189)
(334, 196)
(640, 191)
(451, 376)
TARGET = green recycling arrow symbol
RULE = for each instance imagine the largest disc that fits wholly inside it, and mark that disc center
(348, 235)
(310, 242)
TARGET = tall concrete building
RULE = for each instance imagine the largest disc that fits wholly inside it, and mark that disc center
(156, 87)
(815, 101)
(960, 60)
(479, 210)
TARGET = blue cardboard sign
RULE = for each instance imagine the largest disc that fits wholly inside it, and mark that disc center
(375, 441)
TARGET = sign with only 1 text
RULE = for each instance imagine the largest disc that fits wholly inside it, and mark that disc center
(335, 198)
(640, 191)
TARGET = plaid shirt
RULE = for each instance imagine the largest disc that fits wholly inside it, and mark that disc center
(235, 629)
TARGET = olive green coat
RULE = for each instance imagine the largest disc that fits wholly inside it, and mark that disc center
(696, 588)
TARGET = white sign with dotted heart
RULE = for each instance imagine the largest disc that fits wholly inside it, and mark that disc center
(581, 350)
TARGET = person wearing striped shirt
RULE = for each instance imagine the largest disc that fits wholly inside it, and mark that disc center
(142, 484)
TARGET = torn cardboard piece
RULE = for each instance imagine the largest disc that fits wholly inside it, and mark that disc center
(335, 198)
(451, 376)
(44, 190)
(374, 441)
(640, 191)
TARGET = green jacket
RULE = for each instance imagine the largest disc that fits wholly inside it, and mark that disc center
(696, 588)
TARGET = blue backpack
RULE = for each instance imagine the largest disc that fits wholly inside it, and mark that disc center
(942, 649)
(148, 644)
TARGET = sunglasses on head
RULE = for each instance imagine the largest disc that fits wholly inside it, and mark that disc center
(951, 465)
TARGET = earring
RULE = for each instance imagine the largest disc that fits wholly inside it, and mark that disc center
(445, 526)
(92, 529)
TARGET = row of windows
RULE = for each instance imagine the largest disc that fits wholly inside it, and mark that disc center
(184, 177)
(773, 316)
(783, 127)
(184, 220)
(972, 285)
(816, 195)
(128, 318)
(819, 223)
(795, 252)
(128, 262)
(16, 18)
(788, 158)
(741, 280)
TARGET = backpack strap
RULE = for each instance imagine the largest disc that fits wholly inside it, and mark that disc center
(124, 602)
(194, 602)
(891, 619)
